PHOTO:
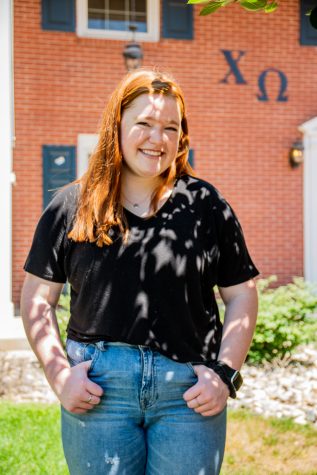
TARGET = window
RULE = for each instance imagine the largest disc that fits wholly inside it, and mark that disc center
(117, 15)
(112, 19)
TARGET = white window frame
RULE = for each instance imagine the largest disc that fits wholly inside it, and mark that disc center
(153, 16)
(86, 143)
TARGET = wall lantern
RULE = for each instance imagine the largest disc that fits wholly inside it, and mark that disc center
(296, 155)
(132, 53)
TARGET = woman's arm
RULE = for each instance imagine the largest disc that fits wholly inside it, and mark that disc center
(241, 302)
(209, 395)
(71, 385)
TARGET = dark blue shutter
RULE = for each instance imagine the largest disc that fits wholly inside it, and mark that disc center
(191, 158)
(177, 20)
(308, 34)
(58, 15)
(59, 168)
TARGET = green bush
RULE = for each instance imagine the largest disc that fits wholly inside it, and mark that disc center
(287, 318)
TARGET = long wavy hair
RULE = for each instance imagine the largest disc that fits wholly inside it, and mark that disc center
(99, 207)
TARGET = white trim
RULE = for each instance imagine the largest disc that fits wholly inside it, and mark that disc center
(85, 145)
(153, 33)
(6, 142)
(309, 129)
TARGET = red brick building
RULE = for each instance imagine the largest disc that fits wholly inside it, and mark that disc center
(250, 84)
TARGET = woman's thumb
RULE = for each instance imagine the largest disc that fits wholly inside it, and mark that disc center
(86, 364)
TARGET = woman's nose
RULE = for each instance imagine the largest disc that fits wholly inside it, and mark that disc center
(156, 136)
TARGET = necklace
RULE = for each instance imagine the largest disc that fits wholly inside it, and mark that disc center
(134, 204)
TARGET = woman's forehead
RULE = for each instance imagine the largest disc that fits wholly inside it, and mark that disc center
(156, 105)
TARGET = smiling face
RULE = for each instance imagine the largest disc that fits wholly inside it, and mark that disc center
(150, 133)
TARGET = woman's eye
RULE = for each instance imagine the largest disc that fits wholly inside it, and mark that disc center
(143, 123)
(172, 128)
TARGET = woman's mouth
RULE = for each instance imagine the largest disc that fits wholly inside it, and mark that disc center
(151, 153)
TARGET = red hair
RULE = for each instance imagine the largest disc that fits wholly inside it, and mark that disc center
(99, 207)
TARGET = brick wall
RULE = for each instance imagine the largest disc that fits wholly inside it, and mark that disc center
(241, 144)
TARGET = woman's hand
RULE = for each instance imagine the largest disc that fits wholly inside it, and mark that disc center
(72, 386)
(76, 392)
(209, 395)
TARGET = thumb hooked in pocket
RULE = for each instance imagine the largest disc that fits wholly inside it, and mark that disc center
(85, 364)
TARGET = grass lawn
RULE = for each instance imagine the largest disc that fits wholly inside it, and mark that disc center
(258, 446)
(30, 444)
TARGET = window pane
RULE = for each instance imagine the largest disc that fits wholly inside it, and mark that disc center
(117, 5)
(141, 26)
(117, 25)
(140, 5)
(99, 4)
(96, 20)
(117, 17)
(96, 14)
(139, 20)
(118, 22)
(117, 14)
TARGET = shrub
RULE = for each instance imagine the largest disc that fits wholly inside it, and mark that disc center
(287, 318)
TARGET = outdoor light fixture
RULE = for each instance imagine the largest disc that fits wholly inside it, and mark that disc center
(296, 155)
(132, 52)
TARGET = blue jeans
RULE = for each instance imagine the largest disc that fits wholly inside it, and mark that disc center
(142, 425)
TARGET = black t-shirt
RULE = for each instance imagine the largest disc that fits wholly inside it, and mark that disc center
(156, 289)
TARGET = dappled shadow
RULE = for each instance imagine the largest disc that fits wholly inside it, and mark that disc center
(158, 287)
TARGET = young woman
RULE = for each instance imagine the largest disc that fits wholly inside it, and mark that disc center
(142, 242)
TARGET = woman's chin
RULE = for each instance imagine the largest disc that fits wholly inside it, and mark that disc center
(149, 172)
(145, 172)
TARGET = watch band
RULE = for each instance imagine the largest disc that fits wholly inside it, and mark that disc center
(231, 377)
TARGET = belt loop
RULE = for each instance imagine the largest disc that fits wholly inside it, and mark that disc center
(100, 345)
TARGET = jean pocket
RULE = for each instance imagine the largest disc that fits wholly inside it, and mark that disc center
(191, 368)
(77, 352)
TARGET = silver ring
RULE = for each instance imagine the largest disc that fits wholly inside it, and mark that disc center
(89, 398)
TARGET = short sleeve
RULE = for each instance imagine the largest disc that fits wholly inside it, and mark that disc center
(46, 256)
(235, 265)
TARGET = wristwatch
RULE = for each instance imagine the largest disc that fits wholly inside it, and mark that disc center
(231, 377)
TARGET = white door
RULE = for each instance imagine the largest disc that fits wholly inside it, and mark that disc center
(85, 146)
(309, 129)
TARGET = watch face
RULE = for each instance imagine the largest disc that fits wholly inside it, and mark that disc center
(236, 380)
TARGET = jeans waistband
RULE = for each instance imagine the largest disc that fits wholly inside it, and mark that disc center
(102, 343)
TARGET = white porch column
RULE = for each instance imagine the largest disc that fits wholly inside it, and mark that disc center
(11, 329)
(309, 129)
